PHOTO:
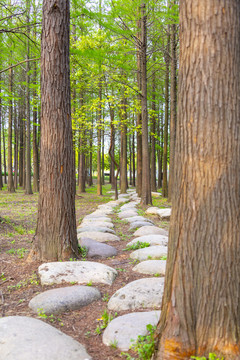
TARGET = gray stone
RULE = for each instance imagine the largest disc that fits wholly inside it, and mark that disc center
(127, 213)
(150, 239)
(101, 218)
(138, 224)
(138, 218)
(156, 194)
(96, 223)
(152, 210)
(139, 294)
(56, 301)
(128, 206)
(152, 252)
(97, 249)
(151, 267)
(147, 230)
(98, 236)
(123, 329)
(96, 228)
(25, 338)
(164, 214)
(81, 272)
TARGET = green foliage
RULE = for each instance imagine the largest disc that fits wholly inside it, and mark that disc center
(144, 346)
(53, 319)
(19, 252)
(137, 245)
(211, 356)
(104, 320)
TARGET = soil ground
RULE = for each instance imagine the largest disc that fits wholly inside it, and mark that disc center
(19, 281)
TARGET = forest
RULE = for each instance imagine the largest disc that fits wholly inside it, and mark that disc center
(119, 183)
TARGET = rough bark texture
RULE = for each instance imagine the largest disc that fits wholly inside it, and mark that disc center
(10, 172)
(123, 159)
(35, 142)
(56, 235)
(1, 182)
(153, 134)
(139, 116)
(201, 309)
(99, 168)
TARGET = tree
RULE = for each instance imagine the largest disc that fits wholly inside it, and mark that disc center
(56, 235)
(200, 312)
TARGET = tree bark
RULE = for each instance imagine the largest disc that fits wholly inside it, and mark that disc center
(1, 182)
(200, 312)
(4, 154)
(99, 177)
(56, 235)
(139, 115)
(153, 134)
(123, 160)
(10, 172)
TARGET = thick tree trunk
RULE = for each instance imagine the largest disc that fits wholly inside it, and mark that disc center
(173, 105)
(139, 115)
(112, 147)
(103, 164)
(133, 159)
(4, 155)
(123, 160)
(1, 182)
(146, 197)
(201, 311)
(56, 235)
(99, 168)
(35, 142)
(15, 178)
(153, 134)
(81, 157)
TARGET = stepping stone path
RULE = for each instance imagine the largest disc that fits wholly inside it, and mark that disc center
(59, 300)
(25, 338)
(138, 294)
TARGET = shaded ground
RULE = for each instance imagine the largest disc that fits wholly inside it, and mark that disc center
(19, 281)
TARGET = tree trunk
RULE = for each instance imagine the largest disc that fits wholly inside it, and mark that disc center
(15, 178)
(81, 163)
(133, 161)
(4, 155)
(28, 189)
(146, 197)
(99, 178)
(112, 147)
(173, 106)
(153, 134)
(165, 144)
(56, 234)
(200, 312)
(123, 160)
(1, 182)
(103, 165)
(139, 115)
(10, 172)
(35, 142)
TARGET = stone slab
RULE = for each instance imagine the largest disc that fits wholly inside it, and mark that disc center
(156, 194)
(25, 338)
(150, 239)
(98, 236)
(151, 267)
(138, 218)
(138, 224)
(127, 213)
(81, 272)
(164, 214)
(97, 218)
(123, 329)
(152, 210)
(139, 294)
(56, 301)
(97, 249)
(96, 228)
(149, 253)
(148, 230)
(96, 223)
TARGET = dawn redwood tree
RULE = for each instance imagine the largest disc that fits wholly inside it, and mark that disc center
(201, 312)
(56, 235)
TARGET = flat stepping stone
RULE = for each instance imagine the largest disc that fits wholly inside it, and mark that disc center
(164, 213)
(149, 253)
(151, 267)
(153, 230)
(98, 218)
(150, 239)
(131, 205)
(127, 213)
(97, 249)
(152, 210)
(98, 236)
(56, 301)
(143, 293)
(81, 272)
(138, 218)
(25, 338)
(156, 194)
(96, 228)
(96, 223)
(138, 224)
(123, 329)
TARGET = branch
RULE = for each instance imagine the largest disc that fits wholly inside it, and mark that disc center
(13, 66)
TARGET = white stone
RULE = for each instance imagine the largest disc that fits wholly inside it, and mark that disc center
(96, 228)
(81, 272)
(138, 224)
(123, 329)
(25, 338)
(156, 194)
(152, 252)
(151, 267)
(130, 205)
(96, 223)
(150, 239)
(64, 299)
(97, 218)
(148, 230)
(98, 236)
(138, 294)
(152, 210)
(164, 213)
(137, 218)
(127, 214)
